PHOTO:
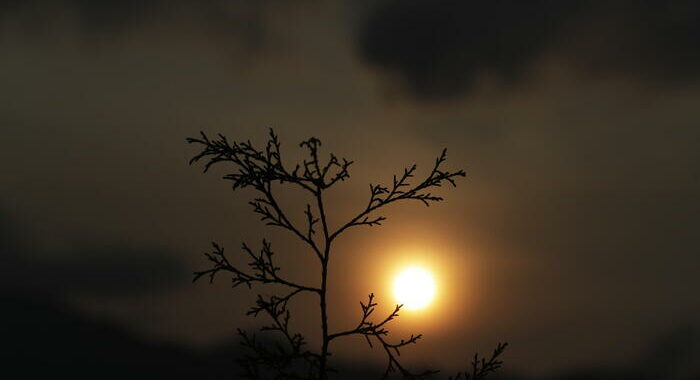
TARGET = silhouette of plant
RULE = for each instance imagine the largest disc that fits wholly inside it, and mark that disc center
(480, 367)
(259, 169)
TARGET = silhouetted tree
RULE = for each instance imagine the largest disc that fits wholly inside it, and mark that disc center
(260, 169)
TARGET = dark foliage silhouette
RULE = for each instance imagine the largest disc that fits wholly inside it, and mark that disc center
(260, 169)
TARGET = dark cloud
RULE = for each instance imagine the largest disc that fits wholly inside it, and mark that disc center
(114, 270)
(231, 24)
(437, 49)
(9, 234)
(117, 269)
(48, 338)
(107, 269)
(674, 355)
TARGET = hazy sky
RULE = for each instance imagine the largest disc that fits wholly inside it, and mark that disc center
(574, 235)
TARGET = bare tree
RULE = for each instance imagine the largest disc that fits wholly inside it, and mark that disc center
(260, 169)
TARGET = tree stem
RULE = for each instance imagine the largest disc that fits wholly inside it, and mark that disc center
(324, 324)
(324, 286)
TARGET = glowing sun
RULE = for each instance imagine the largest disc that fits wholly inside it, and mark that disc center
(414, 288)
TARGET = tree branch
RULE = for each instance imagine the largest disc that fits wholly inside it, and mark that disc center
(260, 168)
(481, 367)
(401, 189)
(262, 264)
(377, 331)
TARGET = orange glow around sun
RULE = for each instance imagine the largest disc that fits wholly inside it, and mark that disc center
(427, 272)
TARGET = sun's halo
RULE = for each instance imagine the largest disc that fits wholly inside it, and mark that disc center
(414, 287)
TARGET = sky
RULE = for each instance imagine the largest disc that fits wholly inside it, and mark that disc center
(573, 236)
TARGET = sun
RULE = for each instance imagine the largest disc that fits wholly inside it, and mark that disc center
(414, 287)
